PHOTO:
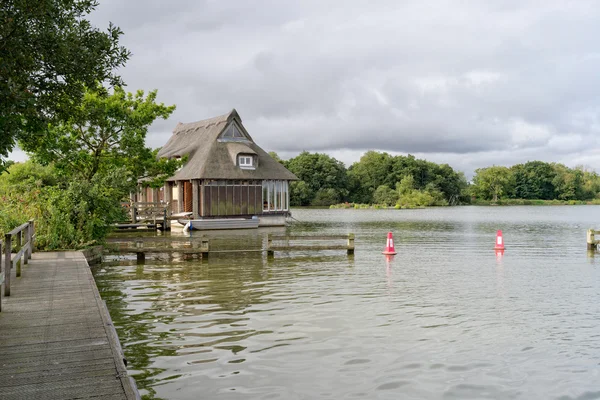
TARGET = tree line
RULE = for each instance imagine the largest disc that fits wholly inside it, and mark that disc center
(405, 182)
(535, 180)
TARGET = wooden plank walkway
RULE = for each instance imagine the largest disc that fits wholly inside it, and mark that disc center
(56, 337)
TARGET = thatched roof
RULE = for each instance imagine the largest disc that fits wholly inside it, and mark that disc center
(209, 158)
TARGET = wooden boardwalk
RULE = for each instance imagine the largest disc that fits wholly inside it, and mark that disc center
(56, 337)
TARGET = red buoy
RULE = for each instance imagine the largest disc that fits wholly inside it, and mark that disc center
(389, 245)
(499, 241)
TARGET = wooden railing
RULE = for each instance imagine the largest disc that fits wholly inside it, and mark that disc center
(309, 243)
(148, 211)
(19, 239)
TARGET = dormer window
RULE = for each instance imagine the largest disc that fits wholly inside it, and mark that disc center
(246, 161)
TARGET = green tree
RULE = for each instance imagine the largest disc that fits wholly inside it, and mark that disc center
(319, 172)
(385, 195)
(49, 52)
(106, 131)
(492, 182)
(533, 180)
(568, 183)
(371, 171)
(300, 194)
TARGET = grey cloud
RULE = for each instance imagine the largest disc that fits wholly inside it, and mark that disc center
(470, 84)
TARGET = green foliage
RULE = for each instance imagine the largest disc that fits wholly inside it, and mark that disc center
(375, 169)
(410, 197)
(492, 182)
(319, 172)
(69, 214)
(81, 213)
(372, 171)
(385, 195)
(326, 197)
(50, 51)
(104, 132)
(300, 194)
(533, 181)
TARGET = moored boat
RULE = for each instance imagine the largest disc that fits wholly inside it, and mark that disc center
(219, 223)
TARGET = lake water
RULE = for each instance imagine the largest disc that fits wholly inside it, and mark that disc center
(446, 318)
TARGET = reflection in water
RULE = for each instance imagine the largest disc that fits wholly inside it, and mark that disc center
(447, 317)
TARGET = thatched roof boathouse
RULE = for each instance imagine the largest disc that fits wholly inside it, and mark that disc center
(227, 175)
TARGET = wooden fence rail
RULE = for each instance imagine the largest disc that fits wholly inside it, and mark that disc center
(149, 211)
(19, 239)
(309, 242)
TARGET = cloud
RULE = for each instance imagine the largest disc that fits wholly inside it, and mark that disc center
(470, 83)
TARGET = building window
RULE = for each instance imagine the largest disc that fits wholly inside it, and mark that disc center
(232, 133)
(275, 196)
(246, 162)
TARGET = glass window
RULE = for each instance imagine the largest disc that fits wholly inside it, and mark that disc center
(233, 132)
(272, 196)
(245, 161)
(284, 195)
(265, 196)
(278, 203)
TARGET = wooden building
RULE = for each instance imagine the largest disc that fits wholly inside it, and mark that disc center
(226, 174)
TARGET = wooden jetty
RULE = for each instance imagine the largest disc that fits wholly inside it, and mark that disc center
(142, 246)
(57, 340)
(200, 245)
(149, 215)
(309, 243)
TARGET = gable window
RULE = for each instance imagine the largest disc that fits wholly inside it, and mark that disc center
(246, 162)
(233, 132)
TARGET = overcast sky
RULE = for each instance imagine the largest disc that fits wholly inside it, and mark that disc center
(468, 83)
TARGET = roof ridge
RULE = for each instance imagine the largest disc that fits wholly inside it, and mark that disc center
(205, 123)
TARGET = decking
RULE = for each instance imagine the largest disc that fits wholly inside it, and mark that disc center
(56, 337)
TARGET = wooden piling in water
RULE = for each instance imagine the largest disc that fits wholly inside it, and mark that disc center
(592, 243)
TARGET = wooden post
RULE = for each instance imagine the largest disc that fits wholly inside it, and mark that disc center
(591, 242)
(270, 253)
(180, 203)
(350, 243)
(7, 264)
(195, 199)
(134, 213)
(168, 204)
(19, 242)
(32, 238)
(204, 247)
(132, 207)
(140, 255)
(1, 277)
(27, 242)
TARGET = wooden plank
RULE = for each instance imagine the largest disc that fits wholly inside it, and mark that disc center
(18, 229)
(161, 250)
(309, 247)
(306, 237)
(57, 339)
(18, 256)
(158, 239)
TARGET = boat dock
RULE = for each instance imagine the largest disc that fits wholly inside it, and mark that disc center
(57, 340)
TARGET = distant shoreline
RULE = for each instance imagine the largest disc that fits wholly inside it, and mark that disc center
(501, 202)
